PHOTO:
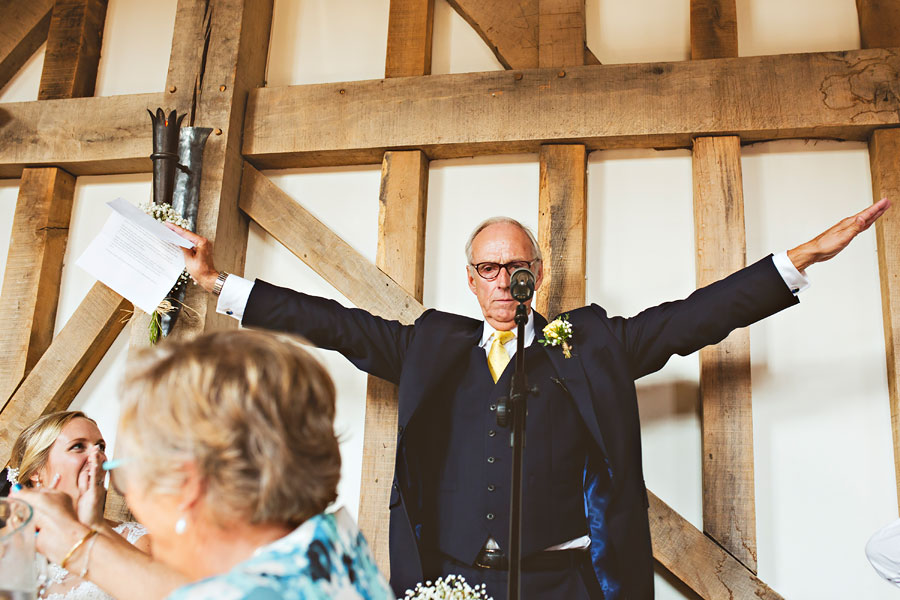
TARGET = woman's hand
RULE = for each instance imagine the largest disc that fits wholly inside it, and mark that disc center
(92, 498)
(56, 521)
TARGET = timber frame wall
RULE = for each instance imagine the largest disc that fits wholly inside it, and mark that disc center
(216, 75)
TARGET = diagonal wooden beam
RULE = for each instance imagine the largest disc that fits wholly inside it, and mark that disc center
(73, 49)
(842, 95)
(67, 363)
(511, 29)
(337, 262)
(22, 31)
(698, 561)
(84, 136)
(31, 281)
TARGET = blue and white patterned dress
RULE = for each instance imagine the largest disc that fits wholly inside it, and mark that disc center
(326, 557)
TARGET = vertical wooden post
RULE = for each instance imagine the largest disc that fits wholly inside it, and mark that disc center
(884, 157)
(44, 206)
(73, 49)
(879, 23)
(401, 254)
(879, 27)
(729, 504)
(219, 51)
(562, 203)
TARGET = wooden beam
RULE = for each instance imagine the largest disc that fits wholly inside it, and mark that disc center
(67, 363)
(308, 239)
(562, 201)
(698, 561)
(84, 136)
(561, 33)
(562, 227)
(33, 271)
(511, 29)
(729, 502)
(713, 29)
(729, 506)
(401, 256)
(879, 23)
(22, 31)
(884, 156)
(843, 95)
(73, 49)
(410, 26)
(219, 51)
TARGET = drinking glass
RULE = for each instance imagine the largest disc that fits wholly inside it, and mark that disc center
(17, 576)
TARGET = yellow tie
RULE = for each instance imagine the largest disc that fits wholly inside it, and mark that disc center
(498, 357)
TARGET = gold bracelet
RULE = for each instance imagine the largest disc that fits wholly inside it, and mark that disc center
(77, 545)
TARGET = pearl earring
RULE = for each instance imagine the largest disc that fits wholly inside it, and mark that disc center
(180, 526)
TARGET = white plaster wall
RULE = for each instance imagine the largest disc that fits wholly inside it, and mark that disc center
(824, 476)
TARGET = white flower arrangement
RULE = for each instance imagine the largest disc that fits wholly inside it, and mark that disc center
(559, 333)
(453, 587)
(165, 213)
(12, 475)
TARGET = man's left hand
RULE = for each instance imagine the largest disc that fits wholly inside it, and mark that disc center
(829, 243)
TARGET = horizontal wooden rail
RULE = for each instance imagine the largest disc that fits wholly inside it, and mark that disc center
(842, 95)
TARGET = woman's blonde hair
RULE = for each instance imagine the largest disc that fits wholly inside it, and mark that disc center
(32, 447)
(253, 412)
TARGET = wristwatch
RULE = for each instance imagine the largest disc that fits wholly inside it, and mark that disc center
(220, 282)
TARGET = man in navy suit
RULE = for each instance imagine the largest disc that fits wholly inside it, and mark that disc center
(585, 526)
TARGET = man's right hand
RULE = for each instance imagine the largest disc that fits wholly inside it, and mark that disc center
(199, 259)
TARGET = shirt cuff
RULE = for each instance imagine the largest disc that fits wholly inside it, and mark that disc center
(794, 279)
(234, 296)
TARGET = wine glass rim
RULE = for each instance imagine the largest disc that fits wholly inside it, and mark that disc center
(23, 524)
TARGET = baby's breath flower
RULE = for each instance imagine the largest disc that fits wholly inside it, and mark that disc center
(453, 587)
(558, 333)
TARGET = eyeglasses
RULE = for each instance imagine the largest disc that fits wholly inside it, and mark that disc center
(490, 270)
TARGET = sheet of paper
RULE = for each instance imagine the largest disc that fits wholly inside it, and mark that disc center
(139, 217)
(134, 262)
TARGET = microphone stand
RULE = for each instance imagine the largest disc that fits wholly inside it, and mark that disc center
(516, 409)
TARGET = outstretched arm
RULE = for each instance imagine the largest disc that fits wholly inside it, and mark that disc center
(829, 243)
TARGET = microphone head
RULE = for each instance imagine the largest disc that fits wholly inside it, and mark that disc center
(521, 285)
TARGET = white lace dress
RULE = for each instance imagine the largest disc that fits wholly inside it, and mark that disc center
(62, 585)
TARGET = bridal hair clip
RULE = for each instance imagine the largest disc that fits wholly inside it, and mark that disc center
(12, 475)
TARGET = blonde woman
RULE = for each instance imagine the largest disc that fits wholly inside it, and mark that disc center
(229, 458)
(65, 451)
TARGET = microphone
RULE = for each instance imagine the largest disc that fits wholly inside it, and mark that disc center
(521, 285)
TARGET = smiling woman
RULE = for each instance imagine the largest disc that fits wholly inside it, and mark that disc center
(65, 451)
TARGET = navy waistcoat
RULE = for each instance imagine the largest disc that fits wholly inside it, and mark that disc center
(472, 460)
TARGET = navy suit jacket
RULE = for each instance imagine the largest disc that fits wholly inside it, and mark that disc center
(609, 353)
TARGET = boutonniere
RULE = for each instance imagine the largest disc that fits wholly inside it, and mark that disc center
(559, 333)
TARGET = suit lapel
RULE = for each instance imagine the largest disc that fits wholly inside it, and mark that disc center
(573, 376)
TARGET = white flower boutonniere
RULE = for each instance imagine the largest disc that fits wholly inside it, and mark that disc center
(559, 333)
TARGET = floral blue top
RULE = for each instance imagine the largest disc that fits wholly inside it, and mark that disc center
(326, 557)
